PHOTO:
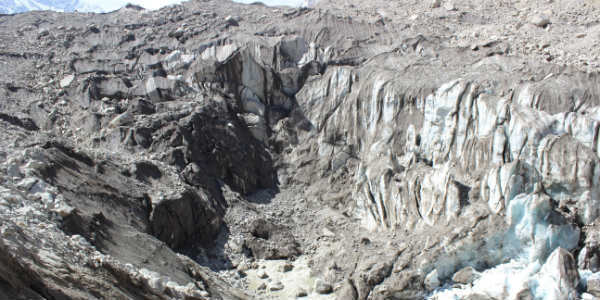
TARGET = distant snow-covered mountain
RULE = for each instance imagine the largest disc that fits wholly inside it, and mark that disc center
(17, 6)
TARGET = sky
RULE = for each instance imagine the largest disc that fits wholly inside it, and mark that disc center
(156, 4)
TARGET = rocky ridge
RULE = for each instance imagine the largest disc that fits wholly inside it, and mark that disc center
(431, 150)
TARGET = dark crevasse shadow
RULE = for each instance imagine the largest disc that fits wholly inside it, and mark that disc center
(212, 255)
(263, 196)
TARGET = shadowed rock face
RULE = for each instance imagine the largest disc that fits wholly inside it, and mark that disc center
(161, 154)
(271, 241)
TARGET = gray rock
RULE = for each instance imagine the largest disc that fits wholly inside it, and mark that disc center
(271, 241)
(593, 286)
(465, 275)
(123, 119)
(67, 80)
(140, 106)
(262, 274)
(449, 5)
(436, 3)
(276, 286)
(347, 292)
(432, 280)
(233, 20)
(539, 20)
(525, 294)
(322, 287)
(587, 296)
(286, 267)
(178, 33)
(43, 32)
(301, 293)
(560, 267)
(589, 256)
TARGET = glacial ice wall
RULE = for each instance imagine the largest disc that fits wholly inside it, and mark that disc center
(427, 155)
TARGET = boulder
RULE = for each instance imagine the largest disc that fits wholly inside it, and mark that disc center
(558, 277)
(589, 258)
(301, 293)
(449, 5)
(593, 285)
(123, 119)
(323, 288)
(233, 20)
(432, 280)
(465, 275)
(262, 274)
(436, 3)
(271, 241)
(67, 80)
(286, 267)
(539, 20)
(347, 292)
(179, 217)
(587, 296)
(276, 286)
(142, 107)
